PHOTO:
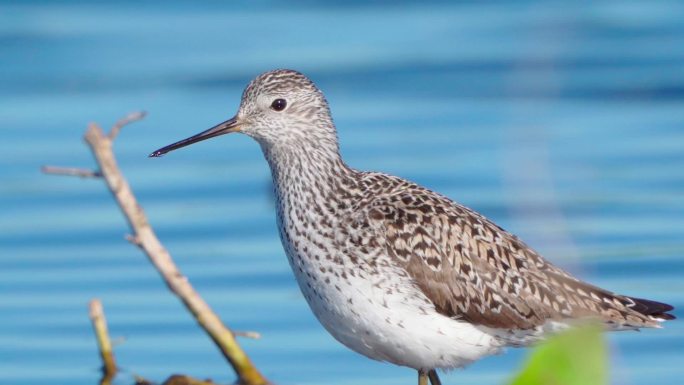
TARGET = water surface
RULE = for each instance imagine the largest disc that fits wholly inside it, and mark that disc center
(564, 123)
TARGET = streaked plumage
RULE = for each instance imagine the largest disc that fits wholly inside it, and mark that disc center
(393, 270)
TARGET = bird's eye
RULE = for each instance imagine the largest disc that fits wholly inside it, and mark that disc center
(279, 104)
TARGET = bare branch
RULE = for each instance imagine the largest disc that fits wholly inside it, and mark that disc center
(71, 171)
(144, 236)
(128, 119)
(104, 344)
(248, 334)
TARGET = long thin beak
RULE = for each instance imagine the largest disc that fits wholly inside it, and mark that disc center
(230, 125)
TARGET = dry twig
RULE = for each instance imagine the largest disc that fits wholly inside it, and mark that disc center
(144, 237)
(247, 334)
(99, 322)
(128, 119)
(71, 171)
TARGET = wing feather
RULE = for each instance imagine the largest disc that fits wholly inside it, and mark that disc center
(472, 269)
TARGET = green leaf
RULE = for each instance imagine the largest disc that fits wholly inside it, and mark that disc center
(575, 357)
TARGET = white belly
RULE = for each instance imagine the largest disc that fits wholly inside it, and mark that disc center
(385, 317)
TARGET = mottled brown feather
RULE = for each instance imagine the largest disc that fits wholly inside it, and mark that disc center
(474, 270)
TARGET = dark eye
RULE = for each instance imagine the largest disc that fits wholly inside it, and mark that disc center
(279, 104)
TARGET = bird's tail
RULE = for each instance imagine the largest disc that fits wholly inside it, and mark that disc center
(657, 310)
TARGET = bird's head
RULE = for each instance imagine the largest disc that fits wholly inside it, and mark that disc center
(280, 107)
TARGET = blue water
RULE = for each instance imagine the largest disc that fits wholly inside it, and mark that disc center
(563, 122)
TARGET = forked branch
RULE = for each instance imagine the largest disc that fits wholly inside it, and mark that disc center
(144, 237)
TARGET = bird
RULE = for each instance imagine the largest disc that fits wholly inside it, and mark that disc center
(395, 271)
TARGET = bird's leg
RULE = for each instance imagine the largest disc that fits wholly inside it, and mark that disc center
(422, 377)
(434, 378)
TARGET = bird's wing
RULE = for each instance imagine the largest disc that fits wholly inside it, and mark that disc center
(472, 269)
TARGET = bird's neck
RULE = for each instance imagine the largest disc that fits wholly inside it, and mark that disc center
(309, 171)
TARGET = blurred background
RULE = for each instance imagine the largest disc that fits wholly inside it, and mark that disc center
(562, 122)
